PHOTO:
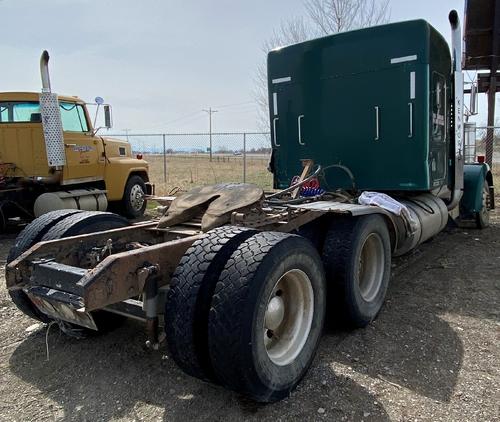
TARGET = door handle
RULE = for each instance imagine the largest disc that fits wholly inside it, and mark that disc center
(275, 120)
(69, 145)
(299, 120)
(410, 109)
(377, 123)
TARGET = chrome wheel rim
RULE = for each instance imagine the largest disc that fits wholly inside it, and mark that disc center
(288, 317)
(371, 267)
(136, 197)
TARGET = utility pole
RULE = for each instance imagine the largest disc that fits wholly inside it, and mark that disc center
(210, 112)
(126, 133)
(492, 90)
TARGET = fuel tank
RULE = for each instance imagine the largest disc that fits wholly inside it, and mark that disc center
(79, 199)
(429, 216)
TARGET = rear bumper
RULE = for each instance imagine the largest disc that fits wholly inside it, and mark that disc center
(61, 305)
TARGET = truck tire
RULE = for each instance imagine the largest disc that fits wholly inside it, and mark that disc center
(267, 315)
(483, 216)
(133, 202)
(188, 301)
(34, 231)
(357, 258)
(85, 222)
(30, 235)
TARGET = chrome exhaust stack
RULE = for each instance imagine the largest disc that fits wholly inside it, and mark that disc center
(51, 119)
(44, 71)
(458, 109)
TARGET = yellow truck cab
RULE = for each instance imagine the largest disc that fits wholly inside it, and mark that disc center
(51, 157)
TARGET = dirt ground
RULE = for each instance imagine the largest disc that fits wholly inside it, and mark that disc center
(432, 354)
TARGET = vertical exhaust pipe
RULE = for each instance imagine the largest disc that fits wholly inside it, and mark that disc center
(51, 120)
(44, 71)
(456, 40)
(458, 109)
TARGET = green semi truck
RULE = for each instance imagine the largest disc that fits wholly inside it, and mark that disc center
(368, 140)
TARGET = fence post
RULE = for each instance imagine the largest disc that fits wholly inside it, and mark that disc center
(164, 159)
(244, 157)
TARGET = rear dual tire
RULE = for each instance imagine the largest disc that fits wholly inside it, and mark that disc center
(246, 309)
(57, 225)
(29, 236)
(357, 259)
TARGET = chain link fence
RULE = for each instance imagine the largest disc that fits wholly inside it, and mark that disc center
(488, 144)
(187, 160)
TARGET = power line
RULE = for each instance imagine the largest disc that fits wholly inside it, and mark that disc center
(185, 116)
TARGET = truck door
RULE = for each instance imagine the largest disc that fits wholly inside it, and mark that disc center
(289, 131)
(84, 161)
(438, 139)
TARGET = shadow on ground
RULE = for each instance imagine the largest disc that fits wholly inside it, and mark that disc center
(112, 376)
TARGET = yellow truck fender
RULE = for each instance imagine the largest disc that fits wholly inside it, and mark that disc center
(117, 172)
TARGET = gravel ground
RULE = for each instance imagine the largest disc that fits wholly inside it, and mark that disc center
(432, 354)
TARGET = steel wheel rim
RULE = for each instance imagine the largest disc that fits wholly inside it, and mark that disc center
(288, 317)
(371, 267)
(136, 197)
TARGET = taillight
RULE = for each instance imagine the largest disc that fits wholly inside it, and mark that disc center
(139, 156)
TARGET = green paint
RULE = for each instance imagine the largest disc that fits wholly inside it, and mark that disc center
(472, 199)
(336, 83)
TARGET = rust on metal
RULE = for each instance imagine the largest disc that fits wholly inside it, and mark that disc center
(120, 276)
(215, 203)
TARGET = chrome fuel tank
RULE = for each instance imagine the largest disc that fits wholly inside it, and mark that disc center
(429, 216)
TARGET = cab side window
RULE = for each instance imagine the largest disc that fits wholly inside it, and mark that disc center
(73, 117)
(18, 112)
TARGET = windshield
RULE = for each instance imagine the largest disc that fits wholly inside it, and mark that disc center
(72, 115)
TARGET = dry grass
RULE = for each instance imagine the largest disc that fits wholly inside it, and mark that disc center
(187, 171)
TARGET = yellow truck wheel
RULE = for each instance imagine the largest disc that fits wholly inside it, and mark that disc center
(134, 201)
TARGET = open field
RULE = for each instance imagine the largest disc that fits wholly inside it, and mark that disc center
(432, 354)
(187, 171)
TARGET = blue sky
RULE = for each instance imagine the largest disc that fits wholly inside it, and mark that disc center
(159, 62)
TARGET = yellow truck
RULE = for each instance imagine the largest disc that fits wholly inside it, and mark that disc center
(51, 157)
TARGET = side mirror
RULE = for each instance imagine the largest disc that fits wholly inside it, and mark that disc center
(473, 99)
(108, 122)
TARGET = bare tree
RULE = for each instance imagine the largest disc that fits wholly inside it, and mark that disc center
(289, 32)
(323, 17)
(332, 16)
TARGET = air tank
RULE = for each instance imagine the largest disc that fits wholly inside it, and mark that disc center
(79, 199)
